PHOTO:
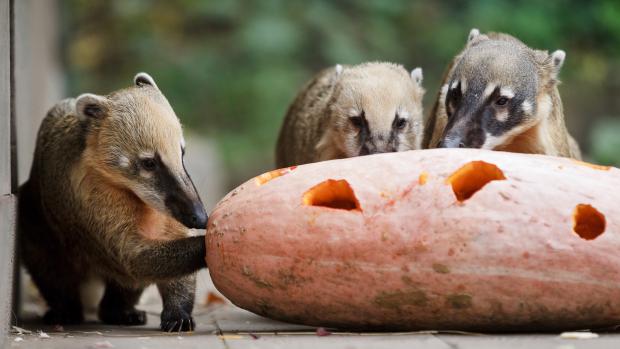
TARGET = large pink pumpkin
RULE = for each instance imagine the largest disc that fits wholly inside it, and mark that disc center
(433, 239)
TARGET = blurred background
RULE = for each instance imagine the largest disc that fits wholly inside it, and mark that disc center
(231, 68)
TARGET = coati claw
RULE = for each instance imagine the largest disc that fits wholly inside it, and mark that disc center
(178, 322)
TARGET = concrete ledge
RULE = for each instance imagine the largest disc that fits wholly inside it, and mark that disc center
(7, 245)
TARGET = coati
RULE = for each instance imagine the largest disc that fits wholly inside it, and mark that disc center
(108, 196)
(500, 94)
(347, 111)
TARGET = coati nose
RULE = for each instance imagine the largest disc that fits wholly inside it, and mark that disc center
(199, 217)
(190, 212)
(451, 143)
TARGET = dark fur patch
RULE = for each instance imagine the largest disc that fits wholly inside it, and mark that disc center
(473, 116)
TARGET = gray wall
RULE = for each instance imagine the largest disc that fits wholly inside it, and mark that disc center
(38, 75)
(38, 86)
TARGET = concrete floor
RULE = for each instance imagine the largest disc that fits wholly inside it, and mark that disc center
(222, 325)
(226, 326)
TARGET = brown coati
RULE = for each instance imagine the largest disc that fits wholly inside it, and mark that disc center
(500, 94)
(350, 111)
(108, 196)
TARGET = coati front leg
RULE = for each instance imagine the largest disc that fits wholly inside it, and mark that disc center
(118, 305)
(171, 265)
(178, 298)
(165, 260)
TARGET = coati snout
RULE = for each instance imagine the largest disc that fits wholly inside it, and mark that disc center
(373, 110)
(147, 158)
(484, 115)
(186, 207)
(381, 139)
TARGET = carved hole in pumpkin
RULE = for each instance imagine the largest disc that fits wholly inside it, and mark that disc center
(470, 178)
(332, 193)
(267, 176)
(423, 178)
(588, 222)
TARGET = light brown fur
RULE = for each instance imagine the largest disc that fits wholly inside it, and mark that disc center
(317, 125)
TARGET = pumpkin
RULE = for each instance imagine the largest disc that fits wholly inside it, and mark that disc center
(458, 239)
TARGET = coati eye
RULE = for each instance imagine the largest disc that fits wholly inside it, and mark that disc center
(149, 164)
(502, 101)
(400, 123)
(356, 121)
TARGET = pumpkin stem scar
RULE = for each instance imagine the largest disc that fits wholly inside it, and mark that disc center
(332, 193)
(588, 222)
(267, 176)
(470, 178)
(592, 166)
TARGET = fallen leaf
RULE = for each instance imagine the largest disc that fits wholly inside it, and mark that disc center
(578, 335)
(43, 335)
(213, 298)
(20, 330)
(322, 332)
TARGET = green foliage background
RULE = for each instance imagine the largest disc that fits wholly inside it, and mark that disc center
(230, 68)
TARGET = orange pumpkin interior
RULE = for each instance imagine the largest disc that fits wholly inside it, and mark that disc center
(267, 176)
(588, 222)
(470, 178)
(423, 178)
(332, 193)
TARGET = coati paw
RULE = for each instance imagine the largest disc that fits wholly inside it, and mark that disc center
(55, 317)
(126, 317)
(176, 321)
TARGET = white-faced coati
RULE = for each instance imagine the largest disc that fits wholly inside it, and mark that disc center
(108, 196)
(350, 111)
(500, 94)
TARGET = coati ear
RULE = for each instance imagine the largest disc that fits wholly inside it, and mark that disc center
(416, 75)
(89, 105)
(338, 69)
(333, 78)
(142, 79)
(557, 60)
(473, 33)
(475, 36)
